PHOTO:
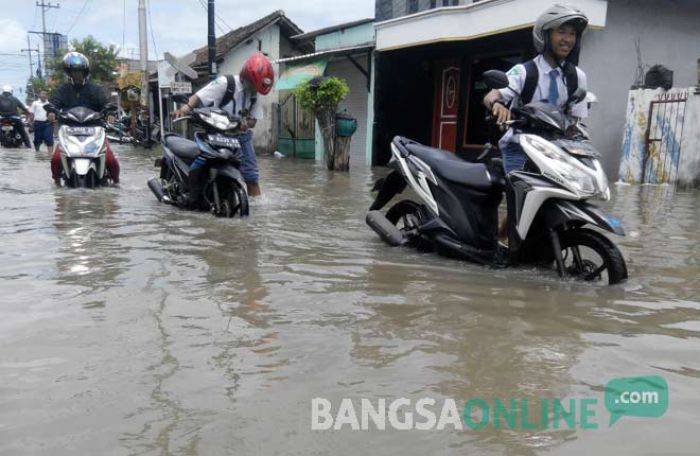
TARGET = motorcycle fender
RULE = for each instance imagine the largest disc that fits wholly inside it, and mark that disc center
(389, 187)
(226, 171)
(81, 166)
(560, 212)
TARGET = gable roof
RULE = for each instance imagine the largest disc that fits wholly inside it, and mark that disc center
(235, 37)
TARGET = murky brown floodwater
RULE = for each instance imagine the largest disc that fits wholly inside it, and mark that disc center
(129, 327)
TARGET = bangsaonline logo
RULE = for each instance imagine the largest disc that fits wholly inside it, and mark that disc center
(632, 396)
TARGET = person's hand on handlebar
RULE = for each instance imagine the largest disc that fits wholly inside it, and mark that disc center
(500, 113)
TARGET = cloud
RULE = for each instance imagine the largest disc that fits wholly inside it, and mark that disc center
(13, 36)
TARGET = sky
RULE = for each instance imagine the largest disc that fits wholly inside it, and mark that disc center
(178, 26)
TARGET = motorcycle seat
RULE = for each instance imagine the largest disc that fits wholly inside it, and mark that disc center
(452, 168)
(183, 148)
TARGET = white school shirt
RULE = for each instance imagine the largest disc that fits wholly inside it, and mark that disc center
(212, 94)
(37, 109)
(517, 76)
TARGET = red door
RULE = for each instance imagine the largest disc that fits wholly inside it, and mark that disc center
(446, 105)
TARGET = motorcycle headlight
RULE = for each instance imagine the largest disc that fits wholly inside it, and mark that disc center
(218, 121)
(560, 166)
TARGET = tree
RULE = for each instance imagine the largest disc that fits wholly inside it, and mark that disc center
(322, 96)
(103, 61)
(36, 85)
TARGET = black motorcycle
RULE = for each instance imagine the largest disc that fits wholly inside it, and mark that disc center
(225, 192)
(549, 213)
(10, 137)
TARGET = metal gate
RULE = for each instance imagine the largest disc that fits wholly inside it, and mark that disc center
(663, 138)
(296, 129)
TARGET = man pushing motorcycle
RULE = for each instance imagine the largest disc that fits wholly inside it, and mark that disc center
(79, 91)
(237, 95)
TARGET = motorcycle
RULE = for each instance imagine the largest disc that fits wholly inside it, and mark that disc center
(81, 140)
(549, 213)
(10, 137)
(225, 193)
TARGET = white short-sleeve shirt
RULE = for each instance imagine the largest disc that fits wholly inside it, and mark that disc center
(37, 109)
(517, 76)
(213, 93)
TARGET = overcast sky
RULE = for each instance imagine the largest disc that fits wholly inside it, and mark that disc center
(179, 26)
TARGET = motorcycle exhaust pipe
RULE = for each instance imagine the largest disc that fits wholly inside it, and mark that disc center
(156, 187)
(385, 229)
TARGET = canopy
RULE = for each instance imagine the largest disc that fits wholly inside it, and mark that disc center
(295, 75)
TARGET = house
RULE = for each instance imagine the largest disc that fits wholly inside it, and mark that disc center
(270, 35)
(344, 51)
(430, 56)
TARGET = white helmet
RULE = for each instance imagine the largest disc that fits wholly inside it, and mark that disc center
(7, 88)
(555, 17)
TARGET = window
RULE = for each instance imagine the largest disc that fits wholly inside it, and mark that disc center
(411, 6)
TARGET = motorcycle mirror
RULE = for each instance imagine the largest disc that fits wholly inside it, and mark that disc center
(48, 107)
(495, 79)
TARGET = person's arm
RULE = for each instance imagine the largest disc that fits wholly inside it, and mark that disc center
(192, 103)
(22, 107)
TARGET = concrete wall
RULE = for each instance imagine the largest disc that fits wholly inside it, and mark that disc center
(355, 103)
(269, 40)
(670, 35)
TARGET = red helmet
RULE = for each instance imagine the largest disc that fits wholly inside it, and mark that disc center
(257, 70)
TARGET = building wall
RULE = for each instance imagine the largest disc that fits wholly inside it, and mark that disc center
(268, 40)
(669, 35)
(388, 9)
(355, 103)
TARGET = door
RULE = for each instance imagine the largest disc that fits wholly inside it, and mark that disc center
(446, 104)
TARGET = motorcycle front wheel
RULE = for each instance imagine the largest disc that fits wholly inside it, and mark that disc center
(234, 200)
(590, 256)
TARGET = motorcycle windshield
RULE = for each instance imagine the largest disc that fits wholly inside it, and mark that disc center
(547, 115)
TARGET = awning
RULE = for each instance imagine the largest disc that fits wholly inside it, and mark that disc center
(473, 21)
(295, 75)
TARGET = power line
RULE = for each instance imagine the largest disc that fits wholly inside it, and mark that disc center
(80, 13)
(216, 17)
(124, 26)
(150, 21)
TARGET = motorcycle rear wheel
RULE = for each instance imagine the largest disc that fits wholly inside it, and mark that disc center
(407, 216)
(592, 257)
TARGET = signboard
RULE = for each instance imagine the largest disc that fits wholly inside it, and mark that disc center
(295, 75)
(177, 88)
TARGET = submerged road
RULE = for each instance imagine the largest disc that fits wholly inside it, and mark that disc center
(128, 327)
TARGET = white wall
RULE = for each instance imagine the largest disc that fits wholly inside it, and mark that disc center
(670, 35)
(355, 103)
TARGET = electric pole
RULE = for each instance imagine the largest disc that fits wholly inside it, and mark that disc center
(29, 51)
(44, 7)
(211, 40)
(143, 45)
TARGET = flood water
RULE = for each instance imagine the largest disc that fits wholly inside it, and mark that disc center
(128, 327)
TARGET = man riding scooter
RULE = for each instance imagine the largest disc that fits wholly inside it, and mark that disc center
(9, 107)
(80, 91)
(238, 96)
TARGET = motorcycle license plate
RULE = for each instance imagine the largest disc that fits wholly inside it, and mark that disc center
(224, 141)
(7, 128)
(80, 131)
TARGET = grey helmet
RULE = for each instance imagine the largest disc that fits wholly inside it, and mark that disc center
(75, 63)
(555, 17)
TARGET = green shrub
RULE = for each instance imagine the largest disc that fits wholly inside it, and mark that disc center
(322, 94)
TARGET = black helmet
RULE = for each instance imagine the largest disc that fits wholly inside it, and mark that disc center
(77, 67)
(555, 17)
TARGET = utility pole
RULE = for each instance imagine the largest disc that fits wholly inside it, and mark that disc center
(44, 7)
(211, 40)
(143, 46)
(29, 51)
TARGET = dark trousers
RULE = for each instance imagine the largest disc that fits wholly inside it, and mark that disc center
(43, 133)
